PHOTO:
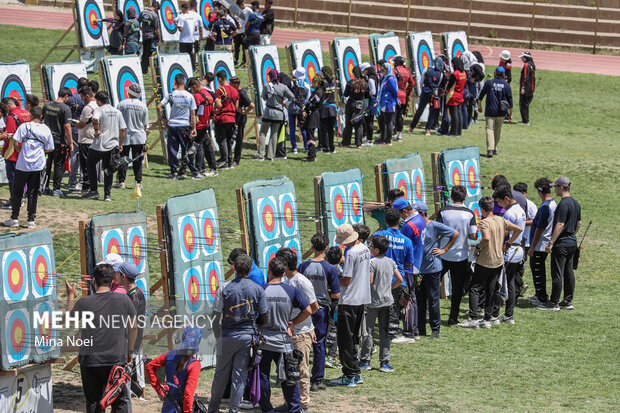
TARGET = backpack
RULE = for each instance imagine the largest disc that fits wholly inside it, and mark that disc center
(296, 106)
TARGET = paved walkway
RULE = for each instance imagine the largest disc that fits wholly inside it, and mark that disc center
(59, 19)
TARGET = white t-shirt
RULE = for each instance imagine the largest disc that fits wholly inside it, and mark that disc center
(35, 138)
(305, 286)
(110, 124)
(516, 215)
(182, 103)
(199, 24)
(188, 23)
(87, 133)
(462, 219)
(356, 267)
(245, 14)
(136, 117)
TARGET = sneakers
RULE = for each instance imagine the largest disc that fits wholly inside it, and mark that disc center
(523, 289)
(523, 123)
(7, 205)
(308, 160)
(343, 381)
(489, 154)
(494, 152)
(91, 195)
(403, 339)
(485, 324)
(174, 177)
(295, 151)
(507, 320)
(76, 188)
(318, 386)
(495, 321)
(258, 158)
(247, 405)
(364, 365)
(367, 143)
(107, 198)
(549, 306)
(121, 185)
(427, 133)
(58, 192)
(198, 177)
(332, 363)
(417, 338)
(566, 305)
(31, 225)
(11, 223)
(281, 408)
(453, 322)
(211, 173)
(222, 165)
(470, 323)
(435, 334)
(181, 176)
(281, 157)
(358, 379)
(386, 368)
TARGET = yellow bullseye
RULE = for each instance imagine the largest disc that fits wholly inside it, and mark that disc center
(15, 276)
(19, 335)
(193, 289)
(269, 220)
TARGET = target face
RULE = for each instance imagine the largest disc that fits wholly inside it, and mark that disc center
(455, 169)
(44, 330)
(121, 72)
(206, 7)
(472, 174)
(193, 283)
(167, 13)
(213, 275)
(125, 78)
(17, 335)
(188, 232)
(310, 62)
(112, 242)
(69, 80)
(269, 253)
(294, 245)
(288, 215)
(268, 218)
(41, 274)
(93, 33)
(143, 285)
(457, 48)
(387, 48)
(13, 87)
(267, 64)
(92, 13)
(478, 214)
(354, 198)
(307, 54)
(424, 56)
(135, 5)
(14, 273)
(403, 182)
(337, 197)
(174, 70)
(136, 241)
(216, 61)
(222, 66)
(417, 177)
(209, 234)
(421, 53)
(263, 59)
(349, 60)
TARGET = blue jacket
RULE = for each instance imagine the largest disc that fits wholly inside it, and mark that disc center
(388, 94)
(496, 90)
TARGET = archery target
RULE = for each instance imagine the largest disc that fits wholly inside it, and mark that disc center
(44, 330)
(477, 212)
(455, 43)
(348, 54)
(15, 81)
(193, 289)
(17, 335)
(93, 33)
(205, 8)
(421, 54)
(217, 61)
(402, 181)
(455, 174)
(263, 59)
(213, 276)
(135, 5)
(288, 214)
(14, 276)
(350, 61)
(136, 244)
(167, 14)
(269, 253)
(354, 199)
(188, 232)
(170, 65)
(472, 177)
(209, 233)
(268, 218)
(307, 54)
(387, 48)
(112, 242)
(293, 244)
(41, 271)
(63, 75)
(120, 73)
(143, 284)
(417, 185)
(338, 205)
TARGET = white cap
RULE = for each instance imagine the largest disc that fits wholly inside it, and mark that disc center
(365, 66)
(300, 72)
(504, 55)
(112, 259)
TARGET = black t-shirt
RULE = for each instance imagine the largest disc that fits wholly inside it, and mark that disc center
(568, 211)
(56, 115)
(109, 345)
(244, 99)
(139, 302)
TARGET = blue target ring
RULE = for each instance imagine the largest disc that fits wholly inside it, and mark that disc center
(338, 205)
(424, 56)
(188, 232)
(455, 174)
(113, 242)
(349, 61)
(294, 245)
(126, 76)
(70, 81)
(472, 177)
(354, 199)
(268, 254)
(269, 226)
(417, 185)
(206, 7)
(92, 13)
(41, 276)
(310, 62)
(209, 233)
(288, 215)
(457, 48)
(15, 276)
(14, 87)
(389, 53)
(475, 208)
(193, 289)
(44, 330)
(168, 12)
(129, 5)
(221, 66)
(17, 331)
(213, 277)
(175, 69)
(267, 65)
(402, 181)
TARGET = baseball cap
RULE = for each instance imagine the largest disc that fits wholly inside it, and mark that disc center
(365, 66)
(112, 259)
(191, 338)
(345, 234)
(500, 70)
(504, 55)
(421, 206)
(400, 203)
(300, 72)
(525, 54)
(129, 269)
(561, 181)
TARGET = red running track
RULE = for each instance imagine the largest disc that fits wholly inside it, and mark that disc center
(545, 60)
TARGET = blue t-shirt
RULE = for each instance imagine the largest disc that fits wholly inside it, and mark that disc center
(257, 275)
(401, 250)
(431, 236)
(281, 299)
(544, 221)
(324, 279)
(223, 30)
(412, 229)
(255, 19)
(240, 301)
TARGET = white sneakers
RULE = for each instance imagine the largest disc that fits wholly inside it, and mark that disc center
(11, 223)
(403, 339)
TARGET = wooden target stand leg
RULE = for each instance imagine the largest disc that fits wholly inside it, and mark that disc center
(158, 123)
(245, 239)
(378, 183)
(256, 122)
(437, 203)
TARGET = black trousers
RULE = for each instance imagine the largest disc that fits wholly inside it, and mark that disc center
(147, 44)
(326, 134)
(349, 326)
(57, 160)
(562, 271)
(425, 99)
(401, 111)
(189, 49)
(83, 156)
(224, 137)
(387, 126)
(458, 276)
(539, 275)
(136, 150)
(512, 269)
(349, 126)
(94, 157)
(456, 120)
(483, 283)
(238, 42)
(524, 107)
(311, 144)
(251, 39)
(33, 180)
(240, 131)
(94, 380)
(368, 128)
(205, 150)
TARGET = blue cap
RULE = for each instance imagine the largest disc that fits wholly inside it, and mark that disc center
(191, 338)
(129, 269)
(500, 70)
(421, 207)
(400, 203)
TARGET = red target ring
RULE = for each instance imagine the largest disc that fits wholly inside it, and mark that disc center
(213, 278)
(189, 238)
(193, 290)
(339, 207)
(41, 272)
(269, 218)
(419, 187)
(136, 249)
(289, 216)
(16, 276)
(18, 335)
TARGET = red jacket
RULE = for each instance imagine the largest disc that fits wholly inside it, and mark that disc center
(405, 84)
(206, 108)
(11, 127)
(455, 96)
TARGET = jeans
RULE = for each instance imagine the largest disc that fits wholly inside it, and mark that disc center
(179, 138)
(204, 150)
(94, 381)
(233, 358)
(32, 179)
(388, 126)
(425, 99)
(136, 150)
(539, 275)
(291, 393)
(483, 283)
(292, 123)
(429, 290)
(303, 343)
(326, 134)
(382, 314)
(524, 107)
(273, 127)
(562, 270)
(93, 158)
(57, 160)
(456, 120)
(74, 162)
(458, 277)
(320, 322)
(349, 327)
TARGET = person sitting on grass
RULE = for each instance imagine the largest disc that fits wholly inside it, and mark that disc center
(382, 270)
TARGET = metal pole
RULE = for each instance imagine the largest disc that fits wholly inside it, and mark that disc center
(532, 24)
(408, 16)
(598, 7)
(349, 17)
(469, 18)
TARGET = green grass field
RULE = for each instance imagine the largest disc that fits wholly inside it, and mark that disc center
(566, 361)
